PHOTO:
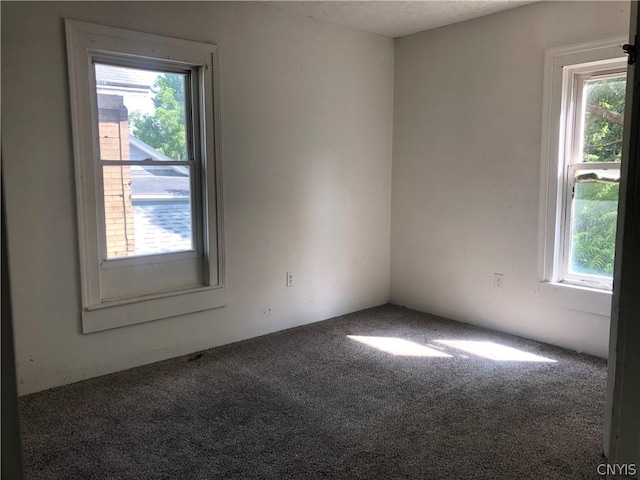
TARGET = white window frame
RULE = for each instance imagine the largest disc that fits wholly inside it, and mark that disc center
(124, 291)
(575, 78)
(566, 69)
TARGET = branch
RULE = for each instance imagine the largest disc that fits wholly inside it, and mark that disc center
(605, 114)
(604, 144)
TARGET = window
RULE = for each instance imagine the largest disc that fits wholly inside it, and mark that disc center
(583, 123)
(147, 174)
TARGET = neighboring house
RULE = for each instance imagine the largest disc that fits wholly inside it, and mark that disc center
(135, 86)
(156, 183)
(139, 150)
(160, 200)
(149, 208)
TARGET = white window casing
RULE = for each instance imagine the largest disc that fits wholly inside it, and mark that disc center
(123, 291)
(566, 71)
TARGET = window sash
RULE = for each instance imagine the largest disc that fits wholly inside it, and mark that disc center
(192, 91)
(590, 280)
(576, 105)
(198, 223)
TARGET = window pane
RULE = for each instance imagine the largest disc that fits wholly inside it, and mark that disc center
(593, 224)
(147, 210)
(603, 119)
(141, 114)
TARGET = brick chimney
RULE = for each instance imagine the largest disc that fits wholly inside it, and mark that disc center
(113, 132)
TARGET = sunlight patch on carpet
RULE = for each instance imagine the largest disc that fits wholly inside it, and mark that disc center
(399, 346)
(494, 351)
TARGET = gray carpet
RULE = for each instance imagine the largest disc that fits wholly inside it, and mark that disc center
(312, 403)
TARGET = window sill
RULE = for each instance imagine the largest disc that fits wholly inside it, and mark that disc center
(115, 315)
(575, 297)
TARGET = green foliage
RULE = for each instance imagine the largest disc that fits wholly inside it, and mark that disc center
(594, 229)
(164, 129)
(602, 136)
(595, 204)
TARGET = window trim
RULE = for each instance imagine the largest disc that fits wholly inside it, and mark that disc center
(554, 170)
(85, 40)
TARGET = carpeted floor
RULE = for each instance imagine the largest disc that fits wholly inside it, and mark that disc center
(312, 403)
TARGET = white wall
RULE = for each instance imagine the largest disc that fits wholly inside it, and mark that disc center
(466, 171)
(307, 132)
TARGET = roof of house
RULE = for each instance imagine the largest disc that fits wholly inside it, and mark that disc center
(124, 77)
(156, 182)
(162, 227)
(161, 202)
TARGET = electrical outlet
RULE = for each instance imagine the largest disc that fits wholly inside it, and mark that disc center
(290, 279)
(498, 280)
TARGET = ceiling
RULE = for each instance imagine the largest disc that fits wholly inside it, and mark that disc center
(398, 18)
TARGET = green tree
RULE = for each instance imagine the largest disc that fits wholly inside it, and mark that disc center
(164, 129)
(604, 120)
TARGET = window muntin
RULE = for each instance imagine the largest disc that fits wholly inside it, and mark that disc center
(594, 96)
